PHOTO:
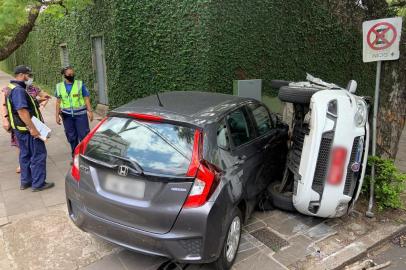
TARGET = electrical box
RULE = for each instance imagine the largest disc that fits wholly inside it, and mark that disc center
(248, 88)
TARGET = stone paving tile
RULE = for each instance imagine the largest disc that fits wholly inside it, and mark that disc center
(21, 201)
(57, 158)
(11, 180)
(8, 167)
(254, 226)
(110, 262)
(258, 261)
(53, 196)
(251, 220)
(299, 248)
(320, 231)
(291, 227)
(276, 214)
(55, 175)
(4, 221)
(3, 212)
(247, 247)
(33, 213)
(309, 221)
(136, 261)
(51, 242)
(63, 166)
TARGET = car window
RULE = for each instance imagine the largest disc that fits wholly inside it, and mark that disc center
(238, 125)
(157, 147)
(223, 140)
(262, 119)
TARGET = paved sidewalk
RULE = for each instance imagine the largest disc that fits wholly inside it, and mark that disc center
(36, 233)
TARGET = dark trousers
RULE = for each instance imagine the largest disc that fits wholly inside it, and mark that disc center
(33, 157)
(76, 129)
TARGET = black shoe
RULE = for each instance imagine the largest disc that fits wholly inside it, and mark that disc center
(24, 186)
(45, 186)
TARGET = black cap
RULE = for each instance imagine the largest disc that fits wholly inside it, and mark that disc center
(22, 69)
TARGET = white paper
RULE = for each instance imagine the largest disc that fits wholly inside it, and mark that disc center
(44, 130)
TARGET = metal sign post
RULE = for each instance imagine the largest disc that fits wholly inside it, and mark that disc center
(369, 212)
(380, 43)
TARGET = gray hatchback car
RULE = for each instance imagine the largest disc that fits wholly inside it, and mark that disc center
(177, 175)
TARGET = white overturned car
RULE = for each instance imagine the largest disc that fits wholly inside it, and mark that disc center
(328, 149)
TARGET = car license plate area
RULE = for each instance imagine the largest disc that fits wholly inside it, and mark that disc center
(127, 187)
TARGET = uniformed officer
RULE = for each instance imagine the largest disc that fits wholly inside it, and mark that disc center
(73, 106)
(21, 108)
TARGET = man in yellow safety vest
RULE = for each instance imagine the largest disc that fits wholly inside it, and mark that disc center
(21, 108)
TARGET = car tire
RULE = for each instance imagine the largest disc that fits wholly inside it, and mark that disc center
(279, 83)
(296, 95)
(284, 200)
(231, 240)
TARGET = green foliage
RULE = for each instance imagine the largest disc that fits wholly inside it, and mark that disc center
(398, 7)
(389, 183)
(14, 13)
(197, 45)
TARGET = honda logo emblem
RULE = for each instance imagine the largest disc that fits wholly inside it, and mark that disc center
(123, 170)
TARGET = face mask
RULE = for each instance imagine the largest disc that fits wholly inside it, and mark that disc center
(29, 81)
(70, 78)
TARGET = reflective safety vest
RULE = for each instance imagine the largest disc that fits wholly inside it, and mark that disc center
(74, 100)
(15, 120)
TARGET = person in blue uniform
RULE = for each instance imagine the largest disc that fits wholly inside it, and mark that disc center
(21, 108)
(73, 107)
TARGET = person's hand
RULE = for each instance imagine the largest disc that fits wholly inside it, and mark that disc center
(58, 119)
(90, 115)
(6, 125)
(43, 103)
(34, 132)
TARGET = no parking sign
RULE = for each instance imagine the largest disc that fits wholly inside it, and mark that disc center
(381, 39)
(380, 43)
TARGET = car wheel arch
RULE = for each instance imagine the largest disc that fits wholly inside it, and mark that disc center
(242, 205)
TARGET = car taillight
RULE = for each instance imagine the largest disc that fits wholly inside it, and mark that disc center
(80, 149)
(205, 175)
(146, 117)
(337, 165)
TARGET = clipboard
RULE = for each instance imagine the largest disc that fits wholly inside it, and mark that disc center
(44, 130)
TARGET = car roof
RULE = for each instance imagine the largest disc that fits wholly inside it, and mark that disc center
(194, 107)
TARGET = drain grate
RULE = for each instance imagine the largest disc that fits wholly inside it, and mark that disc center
(270, 239)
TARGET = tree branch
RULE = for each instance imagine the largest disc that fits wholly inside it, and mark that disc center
(22, 34)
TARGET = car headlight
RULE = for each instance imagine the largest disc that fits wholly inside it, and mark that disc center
(361, 113)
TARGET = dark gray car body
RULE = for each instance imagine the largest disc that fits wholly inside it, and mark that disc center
(160, 225)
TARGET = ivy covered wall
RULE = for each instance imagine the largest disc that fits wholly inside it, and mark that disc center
(198, 45)
(277, 39)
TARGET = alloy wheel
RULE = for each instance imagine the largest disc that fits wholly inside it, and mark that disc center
(233, 238)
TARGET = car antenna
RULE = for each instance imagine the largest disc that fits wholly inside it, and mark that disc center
(159, 100)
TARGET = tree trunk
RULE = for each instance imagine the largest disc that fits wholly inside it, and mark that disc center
(22, 34)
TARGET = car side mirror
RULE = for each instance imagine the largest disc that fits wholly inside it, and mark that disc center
(352, 86)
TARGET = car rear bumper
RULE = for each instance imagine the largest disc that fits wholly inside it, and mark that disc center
(185, 242)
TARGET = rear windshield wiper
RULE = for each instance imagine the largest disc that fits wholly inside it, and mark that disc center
(136, 166)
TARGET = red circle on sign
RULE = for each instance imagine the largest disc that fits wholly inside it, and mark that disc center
(380, 35)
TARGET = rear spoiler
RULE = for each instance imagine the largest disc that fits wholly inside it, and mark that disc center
(153, 117)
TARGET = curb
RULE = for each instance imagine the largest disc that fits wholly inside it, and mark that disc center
(363, 253)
